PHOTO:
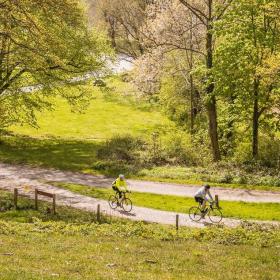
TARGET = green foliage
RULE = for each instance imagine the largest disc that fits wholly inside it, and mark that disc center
(45, 45)
(269, 153)
(247, 74)
(174, 97)
(248, 176)
(120, 154)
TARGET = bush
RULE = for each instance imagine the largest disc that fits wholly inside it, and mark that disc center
(120, 154)
(269, 153)
(121, 148)
(173, 149)
(226, 179)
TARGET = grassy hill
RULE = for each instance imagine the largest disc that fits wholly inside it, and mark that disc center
(109, 112)
(117, 133)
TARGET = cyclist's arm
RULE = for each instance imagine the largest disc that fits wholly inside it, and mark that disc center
(209, 194)
(124, 187)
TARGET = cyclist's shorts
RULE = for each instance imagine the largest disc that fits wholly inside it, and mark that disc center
(115, 189)
(199, 199)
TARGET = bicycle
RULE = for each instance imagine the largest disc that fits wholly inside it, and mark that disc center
(124, 202)
(214, 213)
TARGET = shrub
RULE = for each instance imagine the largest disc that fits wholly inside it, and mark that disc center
(121, 148)
(269, 153)
(226, 179)
(120, 154)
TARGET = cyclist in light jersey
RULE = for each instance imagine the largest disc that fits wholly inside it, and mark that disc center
(202, 196)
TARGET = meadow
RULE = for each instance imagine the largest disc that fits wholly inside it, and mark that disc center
(71, 245)
(117, 132)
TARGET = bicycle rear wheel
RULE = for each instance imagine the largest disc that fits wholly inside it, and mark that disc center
(113, 201)
(195, 214)
(215, 215)
(126, 204)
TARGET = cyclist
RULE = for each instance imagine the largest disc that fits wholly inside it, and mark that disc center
(201, 196)
(119, 185)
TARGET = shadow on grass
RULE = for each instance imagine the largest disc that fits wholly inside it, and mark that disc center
(65, 154)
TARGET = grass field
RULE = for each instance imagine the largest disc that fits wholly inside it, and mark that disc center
(242, 210)
(60, 256)
(72, 245)
(70, 140)
(118, 111)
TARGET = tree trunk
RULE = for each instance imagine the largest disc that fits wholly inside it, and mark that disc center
(192, 105)
(211, 103)
(191, 78)
(255, 134)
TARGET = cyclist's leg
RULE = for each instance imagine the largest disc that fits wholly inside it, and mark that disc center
(200, 200)
(204, 204)
(120, 194)
(117, 191)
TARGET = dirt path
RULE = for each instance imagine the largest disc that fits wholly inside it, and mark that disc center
(68, 198)
(20, 173)
(22, 176)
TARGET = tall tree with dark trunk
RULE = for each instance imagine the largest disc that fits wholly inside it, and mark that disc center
(250, 34)
(208, 12)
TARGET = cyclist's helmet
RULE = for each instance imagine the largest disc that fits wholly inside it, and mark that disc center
(207, 187)
(121, 176)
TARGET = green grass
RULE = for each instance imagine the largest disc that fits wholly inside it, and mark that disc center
(227, 176)
(75, 155)
(72, 246)
(60, 256)
(81, 156)
(79, 249)
(108, 114)
(26, 212)
(69, 140)
(242, 210)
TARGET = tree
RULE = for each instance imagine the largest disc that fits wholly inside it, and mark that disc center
(46, 43)
(249, 56)
(189, 30)
(123, 20)
(209, 12)
(172, 33)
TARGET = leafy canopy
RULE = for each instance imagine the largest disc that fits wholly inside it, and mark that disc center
(47, 43)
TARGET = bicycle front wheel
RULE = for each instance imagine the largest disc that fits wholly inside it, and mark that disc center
(126, 204)
(113, 202)
(195, 214)
(215, 216)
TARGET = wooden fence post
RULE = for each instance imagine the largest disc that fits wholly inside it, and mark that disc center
(177, 222)
(217, 201)
(54, 200)
(98, 214)
(15, 197)
(36, 199)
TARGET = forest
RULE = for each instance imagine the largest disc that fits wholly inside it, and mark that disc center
(212, 65)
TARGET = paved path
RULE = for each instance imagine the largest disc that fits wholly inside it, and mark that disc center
(20, 172)
(68, 198)
(22, 176)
